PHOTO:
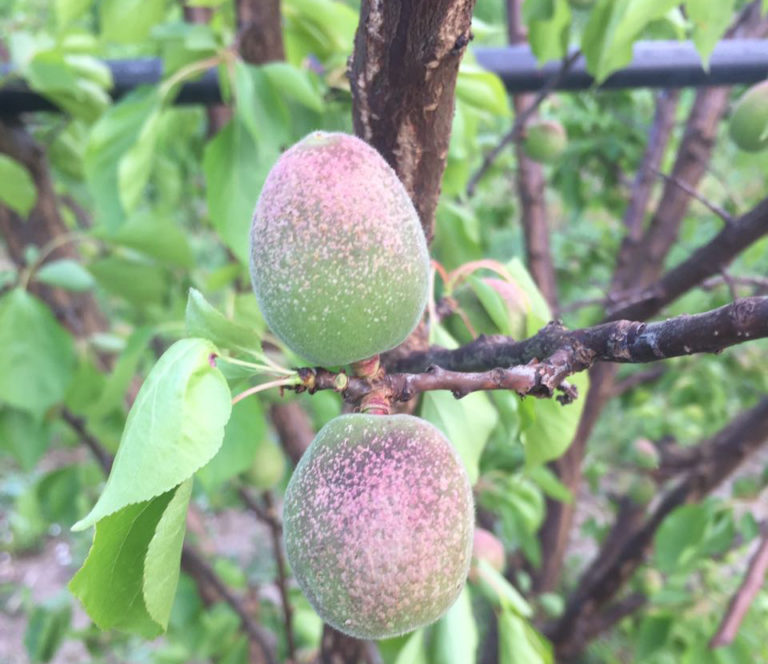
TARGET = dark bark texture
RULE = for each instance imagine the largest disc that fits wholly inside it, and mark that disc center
(403, 76)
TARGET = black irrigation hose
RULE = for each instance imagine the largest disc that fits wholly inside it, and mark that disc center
(658, 64)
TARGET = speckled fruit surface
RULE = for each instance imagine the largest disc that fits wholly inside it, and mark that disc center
(378, 524)
(339, 262)
(545, 141)
(748, 127)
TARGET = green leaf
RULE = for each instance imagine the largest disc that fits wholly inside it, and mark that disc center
(493, 303)
(538, 10)
(295, 83)
(553, 425)
(46, 628)
(414, 651)
(244, 433)
(113, 391)
(234, 172)
(129, 21)
(158, 237)
(69, 10)
(710, 21)
(679, 536)
(25, 438)
(139, 282)
(129, 579)
(111, 137)
(203, 320)
(175, 427)
(499, 591)
(65, 273)
(652, 635)
(38, 354)
(519, 643)
(17, 188)
(454, 637)
(135, 166)
(613, 27)
(482, 90)
(547, 481)
(548, 35)
(261, 108)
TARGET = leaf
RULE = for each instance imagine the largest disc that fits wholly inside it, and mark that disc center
(294, 83)
(538, 10)
(135, 166)
(69, 10)
(25, 438)
(710, 21)
(65, 273)
(111, 137)
(613, 27)
(139, 282)
(518, 643)
(547, 481)
(261, 108)
(158, 237)
(129, 579)
(38, 354)
(413, 652)
(203, 320)
(493, 303)
(113, 391)
(174, 428)
(499, 591)
(454, 637)
(46, 628)
(129, 21)
(234, 172)
(554, 425)
(244, 433)
(17, 188)
(482, 90)
(679, 536)
(652, 635)
(548, 35)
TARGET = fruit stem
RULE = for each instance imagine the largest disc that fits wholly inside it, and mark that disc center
(367, 368)
(375, 403)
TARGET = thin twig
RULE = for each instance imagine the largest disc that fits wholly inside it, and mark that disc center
(103, 457)
(742, 599)
(282, 574)
(712, 207)
(514, 134)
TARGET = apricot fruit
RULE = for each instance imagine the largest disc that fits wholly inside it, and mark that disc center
(748, 127)
(486, 546)
(339, 262)
(378, 523)
(545, 141)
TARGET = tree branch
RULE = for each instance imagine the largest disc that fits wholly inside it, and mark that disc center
(403, 75)
(742, 599)
(707, 261)
(618, 341)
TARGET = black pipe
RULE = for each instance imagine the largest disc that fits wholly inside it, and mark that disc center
(657, 64)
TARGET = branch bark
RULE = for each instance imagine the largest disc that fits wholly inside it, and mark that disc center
(742, 600)
(403, 75)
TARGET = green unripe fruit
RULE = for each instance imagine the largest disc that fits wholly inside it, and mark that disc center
(747, 487)
(268, 466)
(339, 261)
(644, 454)
(378, 521)
(545, 141)
(749, 122)
(642, 490)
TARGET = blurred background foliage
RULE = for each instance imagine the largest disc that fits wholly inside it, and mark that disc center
(157, 204)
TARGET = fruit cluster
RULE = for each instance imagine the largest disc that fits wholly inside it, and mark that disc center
(378, 514)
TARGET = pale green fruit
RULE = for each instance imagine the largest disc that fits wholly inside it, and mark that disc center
(545, 141)
(378, 521)
(268, 466)
(339, 261)
(748, 127)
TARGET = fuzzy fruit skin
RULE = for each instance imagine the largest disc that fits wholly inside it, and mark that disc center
(750, 119)
(378, 522)
(339, 262)
(545, 141)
